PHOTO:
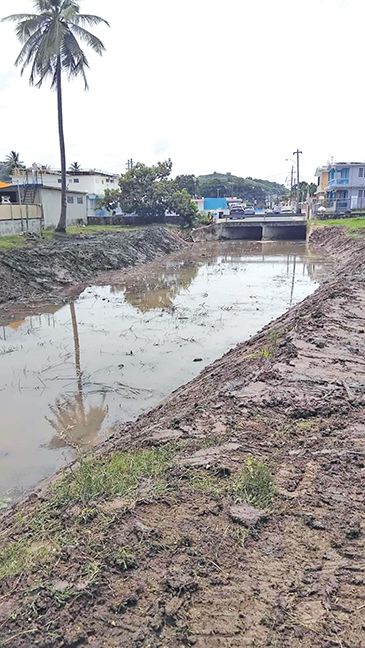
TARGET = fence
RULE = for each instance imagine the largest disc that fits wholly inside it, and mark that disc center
(15, 219)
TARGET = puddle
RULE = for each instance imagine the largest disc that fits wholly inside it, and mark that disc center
(68, 374)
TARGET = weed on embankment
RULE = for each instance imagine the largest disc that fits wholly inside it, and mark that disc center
(75, 514)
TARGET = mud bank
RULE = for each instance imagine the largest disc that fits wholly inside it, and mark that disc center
(46, 270)
(231, 515)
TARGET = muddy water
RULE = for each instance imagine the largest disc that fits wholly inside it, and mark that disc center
(68, 373)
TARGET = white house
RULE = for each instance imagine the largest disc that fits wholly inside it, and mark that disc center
(84, 187)
(91, 182)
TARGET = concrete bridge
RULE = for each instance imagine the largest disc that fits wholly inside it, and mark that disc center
(255, 228)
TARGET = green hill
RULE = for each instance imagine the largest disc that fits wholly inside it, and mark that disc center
(249, 189)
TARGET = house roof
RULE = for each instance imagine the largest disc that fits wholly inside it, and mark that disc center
(69, 191)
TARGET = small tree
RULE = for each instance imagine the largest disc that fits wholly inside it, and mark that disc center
(74, 166)
(188, 182)
(143, 190)
(149, 192)
(185, 207)
(13, 162)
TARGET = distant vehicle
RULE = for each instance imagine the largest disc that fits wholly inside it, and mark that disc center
(287, 209)
(249, 210)
(277, 211)
(236, 212)
(269, 211)
(321, 209)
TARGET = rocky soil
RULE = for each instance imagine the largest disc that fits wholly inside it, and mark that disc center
(46, 270)
(243, 520)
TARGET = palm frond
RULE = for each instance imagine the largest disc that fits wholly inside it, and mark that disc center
(73, 59)
(18, 17)
(42, 5)
(29, 50)
(90, 20)
(26, 28)
(90, 39)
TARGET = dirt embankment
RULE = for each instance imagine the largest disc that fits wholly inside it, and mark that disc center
(43, 271)
(232, 515)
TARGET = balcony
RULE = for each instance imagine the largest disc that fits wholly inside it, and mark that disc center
(336, 182)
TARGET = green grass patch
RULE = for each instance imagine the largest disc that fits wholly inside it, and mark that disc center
(255, 484)
(24, 556)
(13, 242)
(52, 525)
(350, 224)
(118, 475)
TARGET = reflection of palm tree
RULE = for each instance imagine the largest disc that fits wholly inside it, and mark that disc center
(72, 424)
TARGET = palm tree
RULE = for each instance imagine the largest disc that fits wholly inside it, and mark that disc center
(50, 47)
(12, 162)
(74, 167)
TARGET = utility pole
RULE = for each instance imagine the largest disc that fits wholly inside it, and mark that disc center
(297, 153)
(129, 164)
(291, 180)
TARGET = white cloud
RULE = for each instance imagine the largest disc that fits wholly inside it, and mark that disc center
(226, 87)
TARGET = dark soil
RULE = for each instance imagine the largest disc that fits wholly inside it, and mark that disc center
(47, 270)
(208, 570)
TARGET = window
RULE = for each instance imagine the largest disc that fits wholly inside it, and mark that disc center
(361, 172)
(360, 193)
(76, 180)
(59, 180)
(80, 201)
(345, 173)
(70, 199)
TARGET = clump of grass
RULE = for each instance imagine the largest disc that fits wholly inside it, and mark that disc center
(23, 556)
(208, 481)
(61, 598)
(308, 425)
(124, 559)
(255, 484)
(118, 475)
(87, 514)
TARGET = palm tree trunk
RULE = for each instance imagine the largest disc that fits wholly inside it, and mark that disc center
(61, 227)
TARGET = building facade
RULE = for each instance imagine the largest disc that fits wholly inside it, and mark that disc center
(44, 190)
(91, 184)
(341, 186)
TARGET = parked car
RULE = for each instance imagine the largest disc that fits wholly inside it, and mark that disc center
(287, 209)
(269, 211)
(249, 210)
(236, 212)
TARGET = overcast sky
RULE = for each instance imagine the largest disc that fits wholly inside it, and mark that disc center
(217, 86)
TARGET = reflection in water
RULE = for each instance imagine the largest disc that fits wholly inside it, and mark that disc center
(159, 291)
(72, 424)
(68, 374)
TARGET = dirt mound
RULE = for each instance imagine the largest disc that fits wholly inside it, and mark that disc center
(44, 270)
(231, 515)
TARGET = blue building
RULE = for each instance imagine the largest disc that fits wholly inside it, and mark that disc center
(212, 204)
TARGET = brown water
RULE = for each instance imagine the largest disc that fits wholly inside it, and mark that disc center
(67, 374)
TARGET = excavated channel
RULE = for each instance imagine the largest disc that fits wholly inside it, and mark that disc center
(68, 373)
